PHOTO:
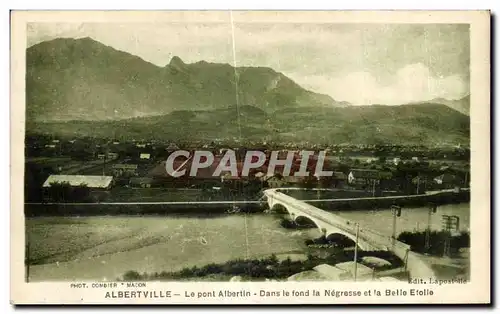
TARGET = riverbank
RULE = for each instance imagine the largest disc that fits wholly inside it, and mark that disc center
(269, 267)
(250, 206)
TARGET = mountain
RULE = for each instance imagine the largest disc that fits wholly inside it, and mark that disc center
(80, 87)
(82, 79)
(461, 105)
(422, 124)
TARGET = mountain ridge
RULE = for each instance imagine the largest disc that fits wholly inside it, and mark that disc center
(429, 124)
(84, 79)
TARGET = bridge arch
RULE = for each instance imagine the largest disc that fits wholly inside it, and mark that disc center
(279, 208)
(342, 239)
(305, 221)
(296, 211)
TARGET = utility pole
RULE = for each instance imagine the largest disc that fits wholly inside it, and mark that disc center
(449, 223)
(356, 253)
(432, 209)
(446, 223)
(418, 183)
(396, 212)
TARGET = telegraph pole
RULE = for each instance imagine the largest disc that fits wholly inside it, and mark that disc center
(449, 223)
(446, 229)
(396, 212)
(356, 253)
(432, 209)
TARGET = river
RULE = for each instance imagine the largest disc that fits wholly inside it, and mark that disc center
(104, 248)
(411, 219)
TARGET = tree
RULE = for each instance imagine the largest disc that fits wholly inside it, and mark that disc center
(64, 192)
(60, 191)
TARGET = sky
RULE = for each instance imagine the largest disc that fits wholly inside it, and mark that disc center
(363, 64)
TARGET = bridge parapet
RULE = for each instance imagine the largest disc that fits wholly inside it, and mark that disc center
(300, 208)
(414, 262)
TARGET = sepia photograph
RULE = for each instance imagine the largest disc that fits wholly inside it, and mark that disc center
(247, 147)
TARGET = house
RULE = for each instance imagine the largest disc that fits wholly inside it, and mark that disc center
(339, 179)
(142, 182)
(112, 155)
(293, 180)
(367, 178)
(396, 161)
(172, 147)
(145, 156)
(446, 179)
(124, 170)
(226, 176)
(274, 181)
(259, 175)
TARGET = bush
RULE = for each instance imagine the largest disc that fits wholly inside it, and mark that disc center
(266, 267)
(132, 275)
(416, 240)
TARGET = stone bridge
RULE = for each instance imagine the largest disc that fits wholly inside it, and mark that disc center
(328, 223)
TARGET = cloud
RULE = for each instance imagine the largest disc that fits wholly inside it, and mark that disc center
(411, 83)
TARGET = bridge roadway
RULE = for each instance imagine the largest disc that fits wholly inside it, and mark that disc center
(327, 222)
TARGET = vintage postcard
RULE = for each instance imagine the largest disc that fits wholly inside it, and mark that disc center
(250, 157)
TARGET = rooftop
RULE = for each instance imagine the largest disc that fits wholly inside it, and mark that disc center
(77, 180)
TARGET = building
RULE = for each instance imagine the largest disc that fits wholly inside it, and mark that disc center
(82, 188)
(172, 147)
(93, 182)
(446, 179)
(339, 179)
(367, 178)
(124, 170)
(273, 181)
(226, 176)
(110, 156)
(145, 156)
(142, 182)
